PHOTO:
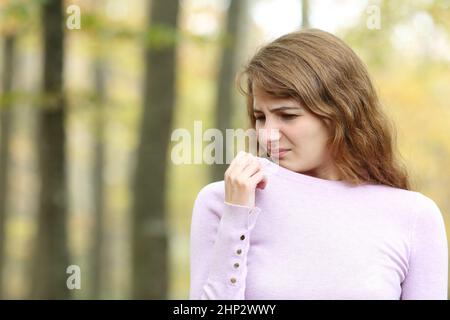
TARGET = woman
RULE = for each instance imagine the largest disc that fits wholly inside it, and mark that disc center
(334, 218)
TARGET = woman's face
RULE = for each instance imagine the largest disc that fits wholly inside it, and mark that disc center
(292, 135)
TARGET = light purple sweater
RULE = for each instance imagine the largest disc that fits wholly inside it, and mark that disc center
(311, 238)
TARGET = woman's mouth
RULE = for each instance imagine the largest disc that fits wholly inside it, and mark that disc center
(279, 153)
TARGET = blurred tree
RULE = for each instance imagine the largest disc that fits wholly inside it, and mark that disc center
(99, 68)
(5, 139)
(51, 255)
(376, 45)
(224, 104)
(98, 176)
(149, 226)
(17, 20)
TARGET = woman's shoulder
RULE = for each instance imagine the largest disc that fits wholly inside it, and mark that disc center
(426, 206)
(211, 195)
(392, 194)
(423, 208)
(416, 199)
(428, 225)
(409, 204)
(213, 189)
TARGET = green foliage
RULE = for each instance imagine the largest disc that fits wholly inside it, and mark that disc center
(19, 16)
(160, 37)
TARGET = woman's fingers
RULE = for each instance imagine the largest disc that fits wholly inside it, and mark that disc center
(259, 179)
(239, 157)
(251, 168)
(242, 177)
(244, 162)
(262, 184)
(240, 162)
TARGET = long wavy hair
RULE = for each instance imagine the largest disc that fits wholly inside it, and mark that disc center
(323, 73)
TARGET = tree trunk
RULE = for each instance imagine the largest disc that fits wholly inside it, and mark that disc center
(51, 255)
(98, 174)
(5, 137)
(149, 234)
(225, 105)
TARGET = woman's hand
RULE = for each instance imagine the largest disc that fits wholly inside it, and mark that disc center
(242, 178)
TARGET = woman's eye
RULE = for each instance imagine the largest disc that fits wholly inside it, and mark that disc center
(288, 116)
(260, 118)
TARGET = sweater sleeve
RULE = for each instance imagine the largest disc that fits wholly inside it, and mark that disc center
(219, 247)
(428, 261)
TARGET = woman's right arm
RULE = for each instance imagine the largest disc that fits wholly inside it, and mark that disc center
(220, 240)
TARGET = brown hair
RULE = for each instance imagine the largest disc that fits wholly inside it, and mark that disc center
(324, 74)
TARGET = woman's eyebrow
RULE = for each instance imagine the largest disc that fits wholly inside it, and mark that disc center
(277, 109)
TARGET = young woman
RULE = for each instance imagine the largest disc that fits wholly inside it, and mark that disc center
(334, 218)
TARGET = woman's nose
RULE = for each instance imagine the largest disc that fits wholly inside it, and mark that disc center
(269, 137)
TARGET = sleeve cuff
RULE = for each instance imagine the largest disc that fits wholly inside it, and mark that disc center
(239, 217)
(229, 265)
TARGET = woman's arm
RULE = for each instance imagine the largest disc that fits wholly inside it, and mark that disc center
(220, 231)
(427, 276)
(219, 247)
